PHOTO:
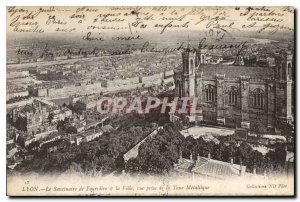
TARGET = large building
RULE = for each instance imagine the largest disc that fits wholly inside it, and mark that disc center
(238, 96)
(35, 118)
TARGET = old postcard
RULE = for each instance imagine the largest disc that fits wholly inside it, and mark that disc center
(150, 101)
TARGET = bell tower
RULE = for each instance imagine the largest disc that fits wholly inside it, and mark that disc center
(283, 85)
(198, 56)
(188, 72)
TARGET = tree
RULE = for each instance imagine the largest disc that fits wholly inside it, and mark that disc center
(280, 155)
(50, 117)
(256, 161)
(120, 163)
(277, 158)
(71, 130)
(105, 164)
(132, 166)
(21, 124)
(258, 128)
(286, 130)
(33, 145)
(243, 152)
(21, 141)
(158, 154)
(74, 167)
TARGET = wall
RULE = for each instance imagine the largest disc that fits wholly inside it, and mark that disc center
(72, 90)
(234, 115)
(17, 94)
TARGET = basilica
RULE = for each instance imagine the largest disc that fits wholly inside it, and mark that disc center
(238, 96)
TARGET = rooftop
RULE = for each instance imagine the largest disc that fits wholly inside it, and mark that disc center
(185, 165)
(215, 168)
(231, 71)
(236, 71)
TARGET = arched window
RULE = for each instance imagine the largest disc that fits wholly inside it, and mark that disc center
(192, 65)
(178, 86)
(210, 93)
(290, 71)
(283, 72)
(233, 96)
(186, 67)
(258, 98)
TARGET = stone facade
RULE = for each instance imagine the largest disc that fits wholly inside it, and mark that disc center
(34, 118)
(238, 100)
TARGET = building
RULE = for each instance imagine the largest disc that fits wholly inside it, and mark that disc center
(16, 93)
(87, 103)
(55, 90)
(17, 74)
(217, 169)
(237, 96)
(55, 145)
(89, 135)
(11, 150)
(50, 138)
(206, 167)
(36, 118)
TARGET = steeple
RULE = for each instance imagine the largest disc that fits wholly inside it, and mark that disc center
(188, 60)
(283, 85)
(198, 55)
(188, 72)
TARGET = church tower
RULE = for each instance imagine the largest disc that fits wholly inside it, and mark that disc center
(188, 72)
(283, 86)
(198, 56)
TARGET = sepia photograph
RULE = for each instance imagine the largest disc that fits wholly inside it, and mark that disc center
(150, 101)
